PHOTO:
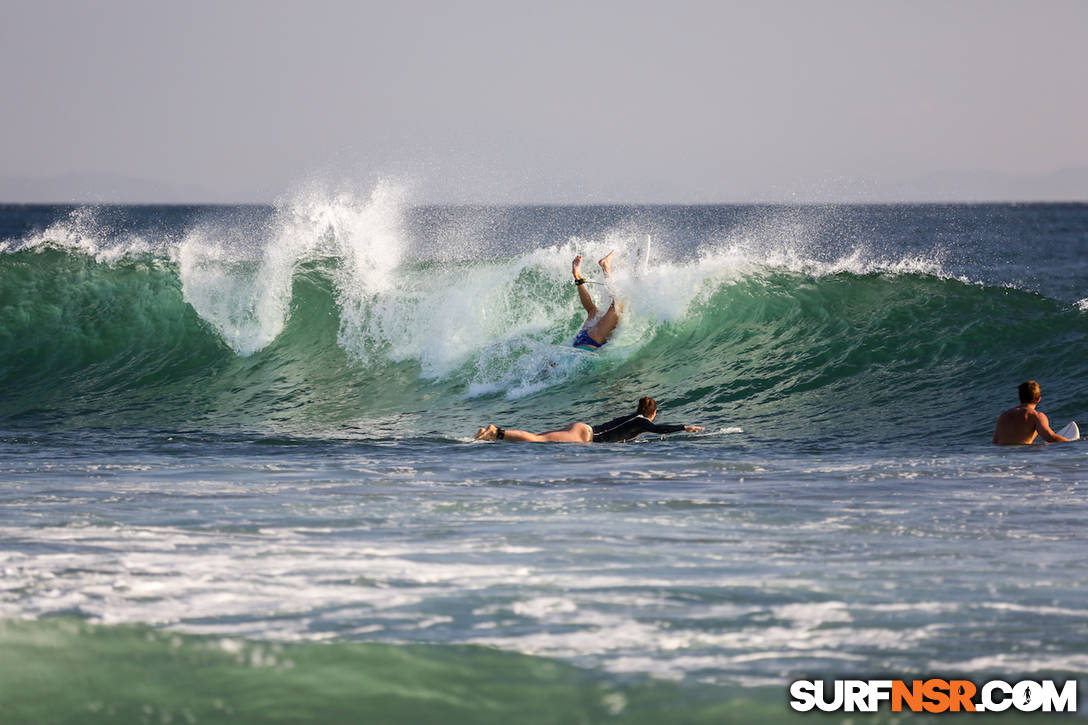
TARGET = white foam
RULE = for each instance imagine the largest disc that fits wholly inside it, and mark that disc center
(542, 607)
(487, 317)
(501, 316)
(176, 577)
(813, 615)
(1019, 663)
(586, 632)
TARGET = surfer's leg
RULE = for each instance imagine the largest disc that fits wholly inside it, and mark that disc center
(607, 324)
(606, 263)
(604, 327)
(583, 294)
(574, 433)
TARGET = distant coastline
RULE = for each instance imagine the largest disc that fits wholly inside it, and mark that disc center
(968, 187)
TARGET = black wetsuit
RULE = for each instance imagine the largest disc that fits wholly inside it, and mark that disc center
(629, 427)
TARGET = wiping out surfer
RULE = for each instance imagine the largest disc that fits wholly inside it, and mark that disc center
(618, 430)
(597, 328)
(1021, 424)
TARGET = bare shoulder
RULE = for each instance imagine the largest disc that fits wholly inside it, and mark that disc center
(1017, 413)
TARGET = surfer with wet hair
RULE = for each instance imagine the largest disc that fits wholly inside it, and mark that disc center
(1021, 424)
(619, 430)
(597, 328)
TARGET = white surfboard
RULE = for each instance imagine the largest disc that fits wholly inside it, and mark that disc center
(1071, 431)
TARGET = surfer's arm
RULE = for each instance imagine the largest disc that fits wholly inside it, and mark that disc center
(665, 429)
(1042, 426)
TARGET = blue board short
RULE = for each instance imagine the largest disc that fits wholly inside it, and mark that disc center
(583, 341)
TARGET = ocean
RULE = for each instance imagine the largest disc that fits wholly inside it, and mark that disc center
(238, 480)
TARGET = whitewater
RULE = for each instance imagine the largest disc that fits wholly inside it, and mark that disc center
(237, 462)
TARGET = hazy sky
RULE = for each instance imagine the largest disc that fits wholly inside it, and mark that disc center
(545, 101)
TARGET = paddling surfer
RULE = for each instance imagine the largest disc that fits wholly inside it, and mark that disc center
(619, 430)
(1021, 424)
(597, 328)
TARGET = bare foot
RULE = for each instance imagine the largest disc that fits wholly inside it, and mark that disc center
(606, 263)
(576, 267)
(489, 433)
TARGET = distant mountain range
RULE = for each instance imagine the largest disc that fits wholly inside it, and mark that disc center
(92, 188)
(1069, 184)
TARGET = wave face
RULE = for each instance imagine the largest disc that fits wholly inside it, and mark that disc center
(361, 313)
(86, 673)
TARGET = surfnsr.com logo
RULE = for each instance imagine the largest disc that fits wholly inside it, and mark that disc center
(933, 696)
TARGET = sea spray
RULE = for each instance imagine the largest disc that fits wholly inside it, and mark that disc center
(334, 308)
(87, 230)
(240, 279)
(368, 240)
